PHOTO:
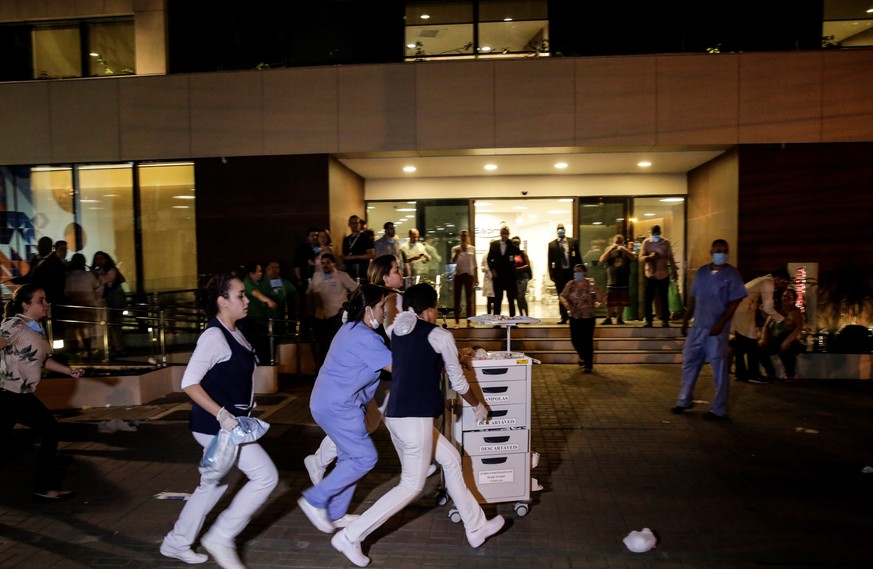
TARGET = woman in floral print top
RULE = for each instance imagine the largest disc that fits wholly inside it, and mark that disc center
(580, 297)
(25, 351)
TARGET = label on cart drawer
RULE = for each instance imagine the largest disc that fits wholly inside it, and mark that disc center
(496, 398)
(499, 448)
(496, 476)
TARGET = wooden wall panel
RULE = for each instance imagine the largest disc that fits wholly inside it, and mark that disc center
(255, 208)
(805, 202)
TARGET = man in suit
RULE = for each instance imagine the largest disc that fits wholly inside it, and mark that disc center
(501, 262)
(563, 256)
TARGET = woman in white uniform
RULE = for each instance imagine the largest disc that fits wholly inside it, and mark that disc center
(219, 380)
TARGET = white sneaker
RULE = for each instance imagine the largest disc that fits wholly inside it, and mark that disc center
(489, 528)
(185, 555)
(318, 516)
(352, 551)
(344, 521)
(224, 555)
(315, 472)
(431, 470)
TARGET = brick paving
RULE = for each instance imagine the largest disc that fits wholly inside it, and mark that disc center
(751, 492)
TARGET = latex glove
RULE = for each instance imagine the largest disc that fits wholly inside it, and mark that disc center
(226, 419)
(481, 412)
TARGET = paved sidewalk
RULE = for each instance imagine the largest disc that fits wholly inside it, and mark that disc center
(779, 485)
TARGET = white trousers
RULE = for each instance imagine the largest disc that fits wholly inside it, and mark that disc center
(263, 477)
(417, 443)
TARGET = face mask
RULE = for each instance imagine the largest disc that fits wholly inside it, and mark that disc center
(390, 240)
(579, 276)
(719, 258)
(374, 323)
(561, 233)
(34, 325)
(316, 248)
(656, 238)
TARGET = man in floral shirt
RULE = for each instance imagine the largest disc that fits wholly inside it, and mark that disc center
(580, 297)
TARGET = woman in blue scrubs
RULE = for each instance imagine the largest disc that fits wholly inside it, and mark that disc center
(345, 385)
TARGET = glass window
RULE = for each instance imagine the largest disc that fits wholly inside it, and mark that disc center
(600, 220)
(104, 217)
(57, 52)
(111, 48)
(439, 29)
(169, 230)
(507, 26)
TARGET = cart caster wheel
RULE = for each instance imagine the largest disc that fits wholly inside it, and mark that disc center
(442, 498)
(455, 516)
(521, 510)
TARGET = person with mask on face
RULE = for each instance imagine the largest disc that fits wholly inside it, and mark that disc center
(715, 295)
(563, 256)
(659, 267)
(617, 260)
(580, 297)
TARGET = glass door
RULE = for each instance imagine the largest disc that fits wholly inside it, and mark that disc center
(600, 220)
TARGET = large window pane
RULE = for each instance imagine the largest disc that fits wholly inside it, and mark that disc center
(439, 29)
(57, 52)
(600, 220)
(105, 217)
(111, 48)
(169, 241)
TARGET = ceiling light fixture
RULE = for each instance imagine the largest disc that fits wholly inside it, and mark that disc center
(507, 19)
(644, 164)
(485, 48)
(561, 165)
(409, 169)
(425, 16)
(648, 215)
(410, 45)
(672, 200)
(184, 198)
(490, 167)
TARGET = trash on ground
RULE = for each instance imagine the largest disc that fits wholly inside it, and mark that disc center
(805, 430)
(867, 470)
(114, 425)
(640, 541)
(172, 496)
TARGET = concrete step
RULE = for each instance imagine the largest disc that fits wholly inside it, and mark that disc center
(564, 343)
(611, 357)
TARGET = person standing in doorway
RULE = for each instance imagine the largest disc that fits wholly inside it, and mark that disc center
(563, 256)
(501, 262)
(466, 275)
(358, 249)
(716, 293)
(617, 260)
(659, 268)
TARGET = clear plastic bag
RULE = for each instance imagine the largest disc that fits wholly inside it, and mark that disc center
(221, 454)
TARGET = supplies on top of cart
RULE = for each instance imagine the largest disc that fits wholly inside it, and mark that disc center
(481, 354)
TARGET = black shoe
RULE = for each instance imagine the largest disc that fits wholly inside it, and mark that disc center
(587, 370)
(619, 321)
(760, 380)
(581, 363)
(743, 379)
(647, 325)
(679, 409)
(563, 321)
(665, 325)
(710, 416)
(606, 321)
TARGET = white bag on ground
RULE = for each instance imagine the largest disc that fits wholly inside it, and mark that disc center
(222, 452)
(640, 541)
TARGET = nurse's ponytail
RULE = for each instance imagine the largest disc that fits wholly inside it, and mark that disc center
(365, 295)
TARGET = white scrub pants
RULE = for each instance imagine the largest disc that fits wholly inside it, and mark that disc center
(700, 347)
(417, 442)
(263, 477)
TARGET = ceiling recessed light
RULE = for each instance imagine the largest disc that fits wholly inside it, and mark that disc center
(184, 198)
(672, 200)
(409, 168)
(410, 45)
(870, 11)
(648, 215)
(425, 16)
(561, 165)
(507, 19)
(597, 223)
(413, 203)
(485, 48)
(490, 167)
(644, 164)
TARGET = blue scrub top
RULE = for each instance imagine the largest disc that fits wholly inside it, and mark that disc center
(350, 374)
(713, 291)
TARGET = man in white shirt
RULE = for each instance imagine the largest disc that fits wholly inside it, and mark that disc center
(327, 292)
(466, 274)
(416, 255)
(745, 326)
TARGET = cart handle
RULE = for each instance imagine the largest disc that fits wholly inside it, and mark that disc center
(501, 389)
(496, 439)
(497, 460)
(495, 371)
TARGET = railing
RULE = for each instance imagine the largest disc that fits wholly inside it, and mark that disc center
(168, 322)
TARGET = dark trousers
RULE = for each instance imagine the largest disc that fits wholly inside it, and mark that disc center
(324, 329)
(661, 287)
(582, 336)
(502, 285)
(562, 277)
(745, 357)
(464, 282)
(26, 409)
